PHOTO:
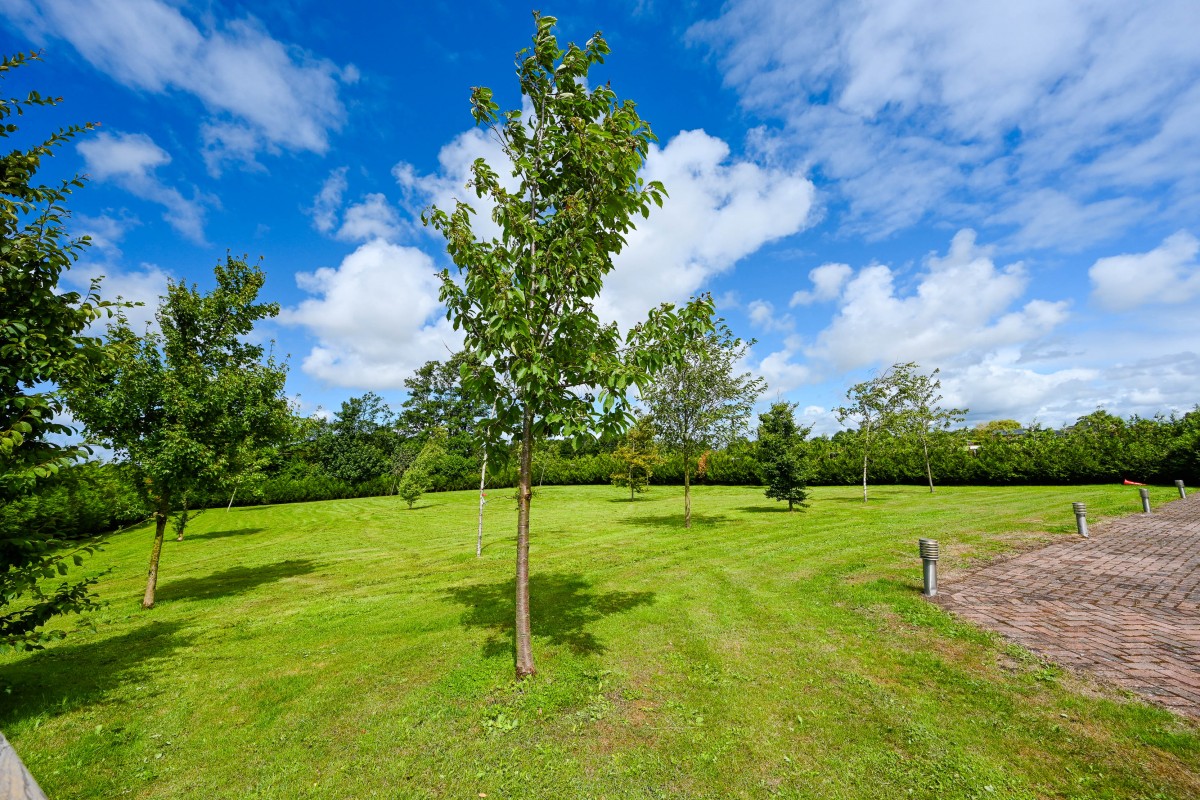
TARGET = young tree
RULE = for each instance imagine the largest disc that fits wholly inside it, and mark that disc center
(781, 453)
(180, 405)
(699, 403)
(43, 342)
(547, 364)
(920, 414)
(874, 404)
(638, 455)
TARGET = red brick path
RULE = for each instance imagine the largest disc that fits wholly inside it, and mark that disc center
(1123, 605)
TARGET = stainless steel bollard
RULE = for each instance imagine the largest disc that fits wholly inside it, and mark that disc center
(1081, 518)
(929, 559)
(1145, 493)
(1182, 490)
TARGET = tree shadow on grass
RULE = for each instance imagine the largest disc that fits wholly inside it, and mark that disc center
(771, 509)
(561, 607)
(232, 581)
(675, 520)
(67, 676)
(191, 537)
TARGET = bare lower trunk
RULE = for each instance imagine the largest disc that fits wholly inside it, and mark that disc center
(160, 529)
(231, 498)
(864, 475)
(183, 521)
(524, 643)
(482, 500)
(631, 486)
(687, 495)
(791, 506)
(928, 469)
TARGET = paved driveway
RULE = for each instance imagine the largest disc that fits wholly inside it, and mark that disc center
(1123, 605)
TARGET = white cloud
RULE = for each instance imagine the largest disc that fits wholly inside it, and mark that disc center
(719, 211)
(376, 317)
(827, 281)
(260, 91)
(917, 108)
(762, 314)
(328, 202)
(373, 218)
(780, 369)
(1169, 273)
(131, 160)
(959, 308)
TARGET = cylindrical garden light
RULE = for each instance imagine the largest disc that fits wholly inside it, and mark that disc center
(929, 559)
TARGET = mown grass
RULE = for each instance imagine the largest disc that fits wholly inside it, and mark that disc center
(357, 649)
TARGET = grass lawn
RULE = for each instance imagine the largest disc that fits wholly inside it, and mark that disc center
(356, 649)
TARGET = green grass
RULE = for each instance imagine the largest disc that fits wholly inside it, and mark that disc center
(357, 649)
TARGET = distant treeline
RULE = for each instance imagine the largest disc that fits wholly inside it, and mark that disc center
(346, 458)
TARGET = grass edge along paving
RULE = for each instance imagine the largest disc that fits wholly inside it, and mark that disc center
(358, 649)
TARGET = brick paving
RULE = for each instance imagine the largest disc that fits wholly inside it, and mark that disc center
(1122, 605)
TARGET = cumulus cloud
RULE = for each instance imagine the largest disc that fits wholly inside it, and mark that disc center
(780, 368)
(960, 306)
(720, 210)
(965, 110)
(762, 315)
(376, 317)
(372, 218)
(131, 161)
(827, 281)
(260, 91)
(1169, 273)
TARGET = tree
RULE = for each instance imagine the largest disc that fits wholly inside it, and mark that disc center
(436, 400)
(546, 363)
(638, 455)
(699, 403)
(43, 343)
(360, 442)
(781, 453)
(180, 406)
(874, 404)
(919, 412)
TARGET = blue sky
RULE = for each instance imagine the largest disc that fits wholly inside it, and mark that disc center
(1008, 192)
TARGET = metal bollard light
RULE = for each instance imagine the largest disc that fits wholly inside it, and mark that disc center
(1145, 493)
(1182, 490)
(1081, 518)
(929, 559)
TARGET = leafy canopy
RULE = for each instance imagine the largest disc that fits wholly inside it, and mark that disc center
(525, 300)
(44, 342)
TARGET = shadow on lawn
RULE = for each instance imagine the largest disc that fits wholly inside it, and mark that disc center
(561, 606)
(675, 520)
(232, 581)
(66, 676)
(222, 534)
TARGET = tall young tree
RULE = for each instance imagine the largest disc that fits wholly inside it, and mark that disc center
(875, 404)
(700, 403)
(43, 342)
(920, 411)
(638, 455)
(781, 453)
(547, 363)
(181, 405)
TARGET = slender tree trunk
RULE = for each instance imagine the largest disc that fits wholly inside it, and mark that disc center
(183, 521)
(928, 469)
(866, 454)
(482, 500)
(160, 529)
(631, 485)
(231, 498)
(687, 494)
(524, 644)
(790, 506)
